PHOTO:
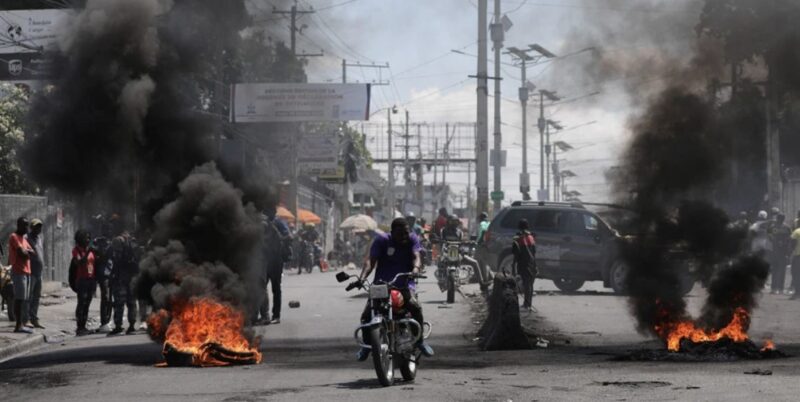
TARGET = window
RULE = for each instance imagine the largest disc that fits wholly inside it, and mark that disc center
(590, 222)
(512, 217)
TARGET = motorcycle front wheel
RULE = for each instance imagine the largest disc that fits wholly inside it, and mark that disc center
(381, 356)
(451, 287)
(408, 366)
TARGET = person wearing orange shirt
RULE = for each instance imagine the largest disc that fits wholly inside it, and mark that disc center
(82, 268)
(19, 257)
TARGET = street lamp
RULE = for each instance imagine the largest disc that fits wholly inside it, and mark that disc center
(564, 147)
(544, 192)
(522, 58)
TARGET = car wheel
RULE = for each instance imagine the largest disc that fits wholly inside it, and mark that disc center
(506, 265)
(568, 285)
(618, 277)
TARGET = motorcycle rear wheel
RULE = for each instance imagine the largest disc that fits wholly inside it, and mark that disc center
(451, 288)
(408, 367)
(382, 357)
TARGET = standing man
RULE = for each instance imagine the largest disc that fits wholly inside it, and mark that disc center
(125, 267)
(101, 246)
(781, 249)
(796, 263)
(278, 232)
(36, 242)
(524, 250)
(85, 279)
(19, 257)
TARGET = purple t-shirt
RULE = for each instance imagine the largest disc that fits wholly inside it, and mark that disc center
(393, 258)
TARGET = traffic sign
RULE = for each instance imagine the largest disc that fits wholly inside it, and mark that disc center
(497, 195)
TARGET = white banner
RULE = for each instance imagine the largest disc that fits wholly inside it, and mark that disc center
(318, 153)
(24, 31)
(263, 103)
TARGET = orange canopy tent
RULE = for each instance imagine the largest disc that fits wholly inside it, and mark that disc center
(306, 216)
(283, 213)
(303, 215)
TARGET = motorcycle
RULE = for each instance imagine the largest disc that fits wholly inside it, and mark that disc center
(451, 272)
(306, 257)
(392, 334)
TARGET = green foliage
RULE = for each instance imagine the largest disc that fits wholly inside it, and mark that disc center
(13, 108)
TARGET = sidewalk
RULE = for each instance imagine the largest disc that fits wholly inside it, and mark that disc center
(56, 314)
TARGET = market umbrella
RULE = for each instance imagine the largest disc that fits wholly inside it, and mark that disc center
(359, 223)
(306, 216)
(285, 214)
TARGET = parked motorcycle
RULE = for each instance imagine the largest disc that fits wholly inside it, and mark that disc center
(451, 271)
(392, 334)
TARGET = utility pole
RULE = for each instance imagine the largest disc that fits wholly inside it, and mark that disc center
(544, 130)
(482, 138)
(391, 200)
(294, 14)
(498, 34)
(522, 57)
(541, 124)
(407, 175)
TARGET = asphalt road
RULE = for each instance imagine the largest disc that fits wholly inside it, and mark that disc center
(310, 356)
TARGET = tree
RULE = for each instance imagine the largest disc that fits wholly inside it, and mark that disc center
(13, 108)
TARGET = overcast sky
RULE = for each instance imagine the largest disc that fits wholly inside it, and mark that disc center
(430, 81)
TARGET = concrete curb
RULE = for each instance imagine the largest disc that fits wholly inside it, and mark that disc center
(26, 345)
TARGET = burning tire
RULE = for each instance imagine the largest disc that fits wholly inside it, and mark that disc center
(568, 285)
(618, 277)
(381, 357)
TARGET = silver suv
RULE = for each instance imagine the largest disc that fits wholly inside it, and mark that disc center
(573, 244)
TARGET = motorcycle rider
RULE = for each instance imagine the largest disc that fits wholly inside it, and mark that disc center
(308, 238)
(412, 223)
(452, 230)
(392, 254)
(483, 226)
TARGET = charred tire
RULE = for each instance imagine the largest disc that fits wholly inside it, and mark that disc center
(381, 356)
(567, 285)
(408, 367)
(451, 288)
(618, 277)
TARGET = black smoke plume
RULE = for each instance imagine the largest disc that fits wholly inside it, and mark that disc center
(129, 125)
(681, 171)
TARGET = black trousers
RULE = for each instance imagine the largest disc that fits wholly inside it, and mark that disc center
(778, 269)
(527, 288)
(85, 289)
(274, 280)
(411, 305)
(36, 294)
(123, 296)
(106, 301)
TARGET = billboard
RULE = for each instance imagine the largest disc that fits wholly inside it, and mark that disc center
(267, 103)
(24, 36)
(319, 153)
(24, 31)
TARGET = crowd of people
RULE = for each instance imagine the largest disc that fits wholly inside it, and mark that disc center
(779, 243)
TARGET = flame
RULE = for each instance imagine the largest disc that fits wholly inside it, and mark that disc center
(768, 345)
(190, 327)
(736, 330)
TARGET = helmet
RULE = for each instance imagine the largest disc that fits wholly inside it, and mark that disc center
(483, 216)
(453, 220)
